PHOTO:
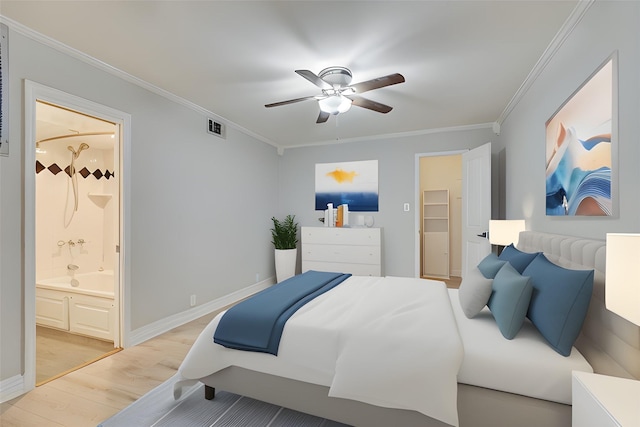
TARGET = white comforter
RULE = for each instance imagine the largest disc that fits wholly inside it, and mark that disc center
(389, 342)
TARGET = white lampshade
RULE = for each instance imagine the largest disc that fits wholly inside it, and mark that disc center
(503, 232)
(622, 284)
(335, 104)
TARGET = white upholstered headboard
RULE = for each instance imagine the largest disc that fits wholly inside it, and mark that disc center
(610, 343)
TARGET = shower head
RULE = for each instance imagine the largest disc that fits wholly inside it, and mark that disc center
(81, 147)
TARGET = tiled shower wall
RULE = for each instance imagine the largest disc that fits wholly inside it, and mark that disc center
(55, 202)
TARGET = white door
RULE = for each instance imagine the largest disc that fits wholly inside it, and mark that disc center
(476, 205)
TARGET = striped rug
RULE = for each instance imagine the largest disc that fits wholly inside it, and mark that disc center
(158, 408)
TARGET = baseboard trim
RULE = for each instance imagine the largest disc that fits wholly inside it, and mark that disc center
(11, 388)
(15, 386)
(161, 326)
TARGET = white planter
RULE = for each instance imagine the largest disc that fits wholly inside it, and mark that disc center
(285, 263)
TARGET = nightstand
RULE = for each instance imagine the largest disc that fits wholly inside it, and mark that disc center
(603, 401)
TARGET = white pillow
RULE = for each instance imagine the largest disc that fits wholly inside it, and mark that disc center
(474, 292)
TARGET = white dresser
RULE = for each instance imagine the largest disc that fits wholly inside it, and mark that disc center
(344, 250)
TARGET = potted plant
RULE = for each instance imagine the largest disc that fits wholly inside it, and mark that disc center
(284, 239)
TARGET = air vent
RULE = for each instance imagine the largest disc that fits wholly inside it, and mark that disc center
(215, 128)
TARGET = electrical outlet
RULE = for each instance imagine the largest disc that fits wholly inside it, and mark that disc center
(193, 300)
(257, 277)
(406, 207)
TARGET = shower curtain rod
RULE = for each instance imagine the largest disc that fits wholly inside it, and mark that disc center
(54, 138)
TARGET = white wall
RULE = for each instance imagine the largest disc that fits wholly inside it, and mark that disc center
(606, 27)
(200, 206)
(396, 182)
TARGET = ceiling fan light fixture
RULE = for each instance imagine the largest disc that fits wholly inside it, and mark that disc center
(335, 104)
(337, 93)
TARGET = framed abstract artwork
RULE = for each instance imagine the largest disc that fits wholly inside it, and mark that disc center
(579, 149)
(351, 183)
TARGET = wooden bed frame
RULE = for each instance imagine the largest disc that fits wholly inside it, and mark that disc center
(610, 344)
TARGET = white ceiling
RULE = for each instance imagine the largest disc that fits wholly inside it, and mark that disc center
(463, 61)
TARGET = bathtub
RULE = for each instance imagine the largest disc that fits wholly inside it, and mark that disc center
(99, 284)
(86, 309)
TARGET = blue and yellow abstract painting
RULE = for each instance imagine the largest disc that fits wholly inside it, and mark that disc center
(351, 183)
(578, 163)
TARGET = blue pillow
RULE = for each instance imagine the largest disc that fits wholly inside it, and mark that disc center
(509, 300)
(559, 302)
(490, 266)
(518, 259)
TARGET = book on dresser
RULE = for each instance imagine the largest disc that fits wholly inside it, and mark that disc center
(345, 250)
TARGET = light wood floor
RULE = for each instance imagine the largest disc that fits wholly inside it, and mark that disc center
(88, 396)
(58, 352)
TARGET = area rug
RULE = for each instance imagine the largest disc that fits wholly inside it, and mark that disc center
(158, 408)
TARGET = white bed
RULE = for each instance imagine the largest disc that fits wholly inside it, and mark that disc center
(500, 382)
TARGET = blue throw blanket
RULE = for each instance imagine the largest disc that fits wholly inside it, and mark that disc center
(257, 323)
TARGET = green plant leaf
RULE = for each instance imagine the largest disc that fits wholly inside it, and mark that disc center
(284, 233)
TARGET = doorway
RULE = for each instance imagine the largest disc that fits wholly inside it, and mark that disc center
(438, 216)
(77, 194)
(74, 232)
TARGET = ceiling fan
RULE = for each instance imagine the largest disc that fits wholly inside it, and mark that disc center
(338, 95)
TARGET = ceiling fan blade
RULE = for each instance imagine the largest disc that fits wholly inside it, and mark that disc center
(313, 78)
(389, 80)
(322, 117)
(291, 101)
(369, 104)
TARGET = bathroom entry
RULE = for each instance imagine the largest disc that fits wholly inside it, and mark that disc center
(77, 210)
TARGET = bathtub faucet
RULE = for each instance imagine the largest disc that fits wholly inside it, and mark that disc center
(71, 243)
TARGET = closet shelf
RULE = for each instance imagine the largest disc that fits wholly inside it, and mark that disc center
(100, 199)
(435, 229)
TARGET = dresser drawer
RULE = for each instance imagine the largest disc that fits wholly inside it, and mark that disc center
(341, 236)
(340, 267)
(341, 253)
(346, 250)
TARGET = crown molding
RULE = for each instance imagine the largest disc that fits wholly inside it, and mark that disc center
(396, 135)
(87, 59)
(567, 28)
